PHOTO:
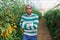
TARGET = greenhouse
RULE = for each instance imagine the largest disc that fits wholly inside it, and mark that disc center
(48, 12)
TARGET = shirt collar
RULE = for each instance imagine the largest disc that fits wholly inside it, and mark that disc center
(30, 15)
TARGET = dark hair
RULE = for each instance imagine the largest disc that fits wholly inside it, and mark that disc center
(28, 5)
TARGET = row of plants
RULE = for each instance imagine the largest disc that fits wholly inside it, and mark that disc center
(9, 17)
(52, 18)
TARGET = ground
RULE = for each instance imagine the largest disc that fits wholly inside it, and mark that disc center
(43, 32)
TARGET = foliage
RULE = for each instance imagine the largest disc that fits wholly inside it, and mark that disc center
(52, 18)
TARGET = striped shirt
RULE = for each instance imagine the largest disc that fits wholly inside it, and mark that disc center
(29, 24)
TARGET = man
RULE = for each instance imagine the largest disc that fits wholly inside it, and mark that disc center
(29, 22)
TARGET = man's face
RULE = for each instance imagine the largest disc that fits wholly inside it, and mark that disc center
(29, 10)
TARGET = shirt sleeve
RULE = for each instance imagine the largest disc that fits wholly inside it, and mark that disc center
(36, 22)
(21, 22)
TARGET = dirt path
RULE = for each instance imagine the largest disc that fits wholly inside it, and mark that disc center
(43, 33)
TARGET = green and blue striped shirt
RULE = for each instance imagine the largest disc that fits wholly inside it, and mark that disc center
(29, 24)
